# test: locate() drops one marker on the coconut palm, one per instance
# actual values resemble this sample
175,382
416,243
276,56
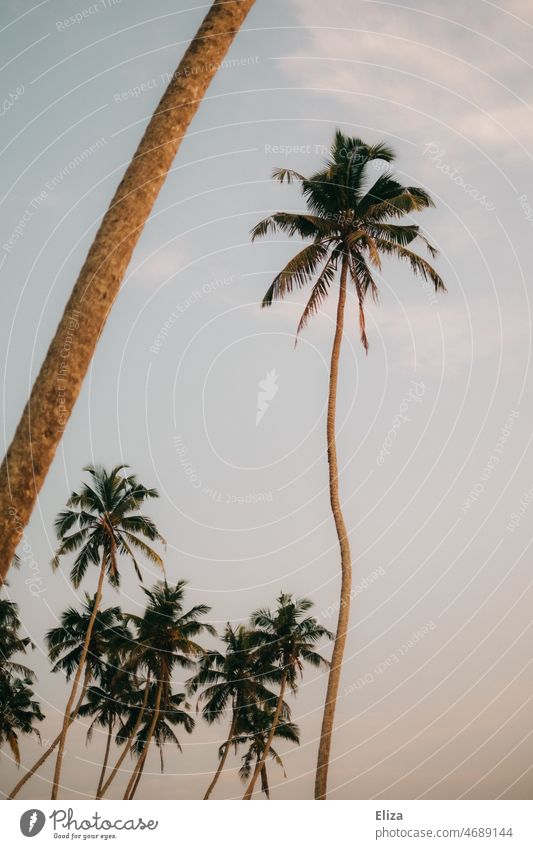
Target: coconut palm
101,522
106,705
11,643
288,638
165,638
234,681
253,730
18,708
18,712
54,393
66,644
172,712
137,700
351,224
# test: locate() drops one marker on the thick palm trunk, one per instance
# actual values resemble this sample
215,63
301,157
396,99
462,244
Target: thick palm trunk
129,743
106,758
346,562
38,763
222,760
142,758
66,720
268,744
61,376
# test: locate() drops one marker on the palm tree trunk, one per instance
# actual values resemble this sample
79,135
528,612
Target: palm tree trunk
66,721
59,382
139,776
222,760
128,744
264,781
346,561
106,758
266,750
38,763
142,758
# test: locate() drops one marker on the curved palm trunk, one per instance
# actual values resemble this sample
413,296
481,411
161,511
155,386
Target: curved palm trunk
140,762
66,720
106,758
139,776
38,763
128,744
275,720
344,545
61,376
222,760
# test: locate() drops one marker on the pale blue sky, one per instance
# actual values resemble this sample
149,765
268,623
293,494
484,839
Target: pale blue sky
448,85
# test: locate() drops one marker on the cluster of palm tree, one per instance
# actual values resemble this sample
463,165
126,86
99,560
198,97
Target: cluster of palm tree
121,665
351,223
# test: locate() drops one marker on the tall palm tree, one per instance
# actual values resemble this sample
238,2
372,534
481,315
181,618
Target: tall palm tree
102,522
66,645
233,680
172,712
165,638
55,390
253,730
18,712
351,224
288,638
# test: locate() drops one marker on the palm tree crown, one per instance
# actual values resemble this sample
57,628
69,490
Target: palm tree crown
106,516
351,217
288,637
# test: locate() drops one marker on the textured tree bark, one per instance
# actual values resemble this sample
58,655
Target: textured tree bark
129,742
38,763
60,379
268,744
106,758
222,760
142,758
346,561
81,664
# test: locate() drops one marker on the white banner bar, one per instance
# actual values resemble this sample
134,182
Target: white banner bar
195,824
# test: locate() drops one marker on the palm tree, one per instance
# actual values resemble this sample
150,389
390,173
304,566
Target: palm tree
350,222
101,522
253,729
165,638
171,713
137,704
288,638
11,643
55,390
107,703
66,645
233,679
18,708
18,712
